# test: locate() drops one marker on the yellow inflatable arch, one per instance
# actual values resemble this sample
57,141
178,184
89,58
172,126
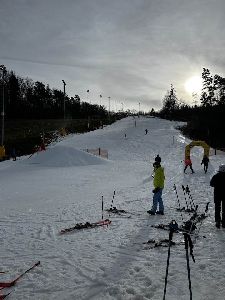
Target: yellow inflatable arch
197,143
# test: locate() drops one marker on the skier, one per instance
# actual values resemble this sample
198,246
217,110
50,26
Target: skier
13,153
187,163
158,159
42,147
205,162
146,131
158,183
217,182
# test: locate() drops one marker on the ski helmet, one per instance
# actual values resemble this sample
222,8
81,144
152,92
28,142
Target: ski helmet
222,168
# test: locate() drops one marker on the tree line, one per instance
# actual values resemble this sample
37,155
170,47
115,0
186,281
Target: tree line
204,121
28,99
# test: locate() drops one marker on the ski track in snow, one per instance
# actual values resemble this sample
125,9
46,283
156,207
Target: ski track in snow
63,186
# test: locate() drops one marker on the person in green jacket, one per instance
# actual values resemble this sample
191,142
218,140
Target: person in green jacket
158,183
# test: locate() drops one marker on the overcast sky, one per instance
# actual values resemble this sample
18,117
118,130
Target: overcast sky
129,50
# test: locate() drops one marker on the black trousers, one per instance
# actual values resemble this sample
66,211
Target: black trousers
218,217
205,168
190,168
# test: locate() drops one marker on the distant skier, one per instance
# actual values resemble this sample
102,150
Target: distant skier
42,147
217,182
158,159
146,131
158,183
205,162
187,163
13,153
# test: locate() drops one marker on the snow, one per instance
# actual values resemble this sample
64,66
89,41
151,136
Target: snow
64,185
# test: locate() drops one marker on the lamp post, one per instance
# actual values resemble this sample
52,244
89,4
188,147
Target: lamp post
88,96
64,94
109,104
3,70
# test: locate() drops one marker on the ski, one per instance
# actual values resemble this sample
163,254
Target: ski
119,212
86,225
13,282
114,210
4,296
160,243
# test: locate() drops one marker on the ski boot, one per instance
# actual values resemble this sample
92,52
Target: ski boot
151,212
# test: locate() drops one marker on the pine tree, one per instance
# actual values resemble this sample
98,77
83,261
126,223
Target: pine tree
170,103
208,92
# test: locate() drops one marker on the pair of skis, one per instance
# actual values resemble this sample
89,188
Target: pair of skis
9,284
86,225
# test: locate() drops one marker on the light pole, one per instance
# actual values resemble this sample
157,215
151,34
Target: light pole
88,96
109,104
3,69
64,94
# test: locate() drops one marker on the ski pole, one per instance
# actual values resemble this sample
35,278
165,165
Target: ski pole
190,196
186,241
168,259
186,194
187,209
112,204
4,296
180,209
102,207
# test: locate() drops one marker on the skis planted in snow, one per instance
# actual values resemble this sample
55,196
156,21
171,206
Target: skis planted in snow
86,225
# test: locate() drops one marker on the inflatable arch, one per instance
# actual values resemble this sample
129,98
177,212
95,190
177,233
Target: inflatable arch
197,143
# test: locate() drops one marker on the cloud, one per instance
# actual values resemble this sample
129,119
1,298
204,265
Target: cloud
128,49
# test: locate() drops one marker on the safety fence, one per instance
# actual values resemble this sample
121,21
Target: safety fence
98,152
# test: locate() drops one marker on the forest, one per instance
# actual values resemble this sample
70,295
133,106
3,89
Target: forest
33,112
204,121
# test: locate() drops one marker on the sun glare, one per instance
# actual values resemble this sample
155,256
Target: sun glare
193,85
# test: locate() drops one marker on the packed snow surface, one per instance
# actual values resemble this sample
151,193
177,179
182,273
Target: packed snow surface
64,185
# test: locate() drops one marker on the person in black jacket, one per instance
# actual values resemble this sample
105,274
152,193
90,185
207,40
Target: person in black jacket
217,182
205,162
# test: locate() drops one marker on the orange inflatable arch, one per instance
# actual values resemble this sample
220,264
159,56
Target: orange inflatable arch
197,143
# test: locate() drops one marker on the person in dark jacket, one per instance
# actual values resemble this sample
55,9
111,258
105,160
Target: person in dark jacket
217,182
205,162
13,154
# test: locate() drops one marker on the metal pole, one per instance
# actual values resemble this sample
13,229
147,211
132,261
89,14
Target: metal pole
109,104
64,93
3,69
3,113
